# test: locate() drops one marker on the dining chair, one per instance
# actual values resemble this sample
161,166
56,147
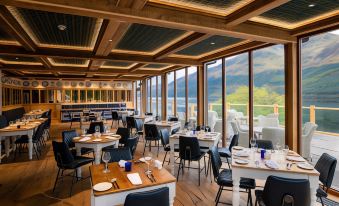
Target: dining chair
66,161
224,179
164,135
306,139
151,135
189,150
139,126
117,154
148,113
155,197
67,137
93,125
124,134
74,117
3,121
274,134
284,191
265,144
326,167
132,144
116,118
130,122
173,119
227,152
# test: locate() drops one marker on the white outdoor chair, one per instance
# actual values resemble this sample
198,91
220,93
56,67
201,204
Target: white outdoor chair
212,119
274,134
273,115
306,138
218,126
243,135
268,121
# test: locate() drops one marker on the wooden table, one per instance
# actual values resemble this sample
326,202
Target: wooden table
145,118
117,196
95,145
35,113
170,126
12,132
262,172
203,142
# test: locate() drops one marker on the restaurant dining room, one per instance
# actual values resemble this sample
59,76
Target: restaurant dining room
169,102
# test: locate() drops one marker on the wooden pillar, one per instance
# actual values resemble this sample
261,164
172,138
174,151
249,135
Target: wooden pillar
250,99
156,95
164,96
200,95
186,95
0,94
224,111
143,96
291,95
175,95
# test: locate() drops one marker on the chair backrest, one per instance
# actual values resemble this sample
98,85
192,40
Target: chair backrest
274,134
67,137
234,127
115,115
148,113
203,127
40,131
189,148
93,125
139,124
124,133
155,197
215,161
308,132
117,154
164,134
264,144
62,154
268,121
151,132
173,119
278,189
130,122
3,121
212,118
309,129
132,144
234,141
326,167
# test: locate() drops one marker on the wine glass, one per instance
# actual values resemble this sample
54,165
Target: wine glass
148,160
84,131
278,146
286,150
253,142
106,156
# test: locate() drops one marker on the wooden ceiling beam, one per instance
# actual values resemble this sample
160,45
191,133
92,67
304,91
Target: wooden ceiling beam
12,26
163,17
47,64
317,26
75,77
255,8
79,54
172,68
188,41
233,50
136,67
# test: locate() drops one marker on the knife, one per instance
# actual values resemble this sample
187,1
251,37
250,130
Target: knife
153,177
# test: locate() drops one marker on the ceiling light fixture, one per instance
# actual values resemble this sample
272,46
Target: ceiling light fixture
16,58
62,27
311,5
110,40
212,43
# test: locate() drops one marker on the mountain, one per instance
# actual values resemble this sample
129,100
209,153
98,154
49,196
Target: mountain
320,62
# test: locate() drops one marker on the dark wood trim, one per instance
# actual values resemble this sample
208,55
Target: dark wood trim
224,111
175,93
250,96
156,95
186,94
200,95
164,95
299,96
136,67
324,25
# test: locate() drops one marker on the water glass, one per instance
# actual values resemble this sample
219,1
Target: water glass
148,159
286,150
106,156
253,142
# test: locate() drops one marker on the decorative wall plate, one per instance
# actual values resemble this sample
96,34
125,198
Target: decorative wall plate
81,84
88,84
35,83
45,84
4,80
73,84
52,84
25,83
59,84
66,84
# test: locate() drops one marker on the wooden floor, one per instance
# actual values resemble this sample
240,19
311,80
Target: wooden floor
24,182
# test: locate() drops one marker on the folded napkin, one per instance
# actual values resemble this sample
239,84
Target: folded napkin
158,164
84,139
271,164
122,163
134,178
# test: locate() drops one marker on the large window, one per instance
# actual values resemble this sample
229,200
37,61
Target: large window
181,94
159,111
154,95
148,96
320,102
214,95
170,94
192,79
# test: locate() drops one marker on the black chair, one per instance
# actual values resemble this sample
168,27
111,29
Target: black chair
164,135
117,154
3,121
48,123
132,144
264,144
189,149
66,161
157,197
116,118
67,137
284,192
151,134
203,127
124,133
326,167
227,152
130,122
148,113
74,117
173,119
139,127
224,178
93,125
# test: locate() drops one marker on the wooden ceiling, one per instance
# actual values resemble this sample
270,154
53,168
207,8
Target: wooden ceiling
134,39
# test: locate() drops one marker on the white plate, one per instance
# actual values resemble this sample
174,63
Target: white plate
238,148
241,161
142,159
241,154
102,186
295,158
305,166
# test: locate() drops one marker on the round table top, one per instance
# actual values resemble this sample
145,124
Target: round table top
91,139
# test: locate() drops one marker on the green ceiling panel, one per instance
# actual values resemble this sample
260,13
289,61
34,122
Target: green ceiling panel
5,36
212,3
70,61
300,10
79,29
145,38
208,45
18,59
117,64
155,66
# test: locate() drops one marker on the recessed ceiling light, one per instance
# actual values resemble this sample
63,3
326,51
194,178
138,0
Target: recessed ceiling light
212,43
62,27
110,40
311,5
16,58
